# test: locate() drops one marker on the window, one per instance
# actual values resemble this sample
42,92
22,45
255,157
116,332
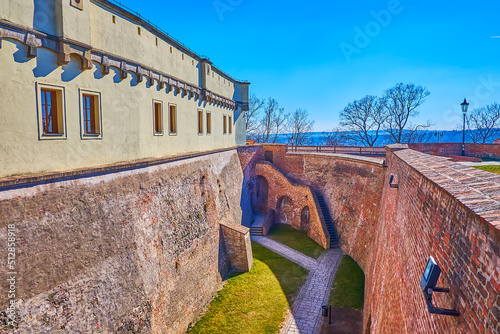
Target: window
200,122
209,122
224,125
170,49
90,114
157,41
230,125
114,19
157,118
139,30
173,119
50,117
51,113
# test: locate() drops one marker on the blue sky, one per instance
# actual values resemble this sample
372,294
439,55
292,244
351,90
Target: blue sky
320,55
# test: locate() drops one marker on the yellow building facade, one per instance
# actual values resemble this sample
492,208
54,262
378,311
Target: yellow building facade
88,83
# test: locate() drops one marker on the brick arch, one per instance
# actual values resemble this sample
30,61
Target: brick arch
284,211
260,195
305,218
300,195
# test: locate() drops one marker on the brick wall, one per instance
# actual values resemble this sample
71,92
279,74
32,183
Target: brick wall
440,209
449,149
132,251
301,197
352,188
448,211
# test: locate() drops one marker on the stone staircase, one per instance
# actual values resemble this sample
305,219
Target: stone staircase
257,227
334,241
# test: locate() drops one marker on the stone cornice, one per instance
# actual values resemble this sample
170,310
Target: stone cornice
66,47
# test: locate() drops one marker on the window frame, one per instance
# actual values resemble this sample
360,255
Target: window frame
162,128
200,122
208,125
170,132
61,112
224,124
230,124
98,113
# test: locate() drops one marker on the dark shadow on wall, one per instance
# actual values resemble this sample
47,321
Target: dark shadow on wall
98,71
71,70
45,16
46,63
20,54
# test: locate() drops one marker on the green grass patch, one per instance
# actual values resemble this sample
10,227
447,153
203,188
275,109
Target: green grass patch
295,239
490,168
257,301
348,290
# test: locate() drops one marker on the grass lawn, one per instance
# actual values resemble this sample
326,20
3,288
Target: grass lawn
490,168
348,285
257,301
295,239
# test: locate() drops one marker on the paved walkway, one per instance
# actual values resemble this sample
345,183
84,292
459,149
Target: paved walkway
288,253
306,309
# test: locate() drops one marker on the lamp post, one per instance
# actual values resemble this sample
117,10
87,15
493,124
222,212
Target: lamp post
465,106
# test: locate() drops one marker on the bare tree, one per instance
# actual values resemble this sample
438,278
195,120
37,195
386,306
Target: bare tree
364,119
482,123
252,115
402,102
299,127
272,122
334,137
418,133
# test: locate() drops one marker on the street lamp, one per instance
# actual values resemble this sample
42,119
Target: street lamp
465,106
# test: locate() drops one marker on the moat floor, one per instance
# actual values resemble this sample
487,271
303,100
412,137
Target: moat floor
344,321
306,309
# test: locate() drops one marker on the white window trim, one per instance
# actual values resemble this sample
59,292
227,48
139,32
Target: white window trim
202,132
161,118
90,136
50,136
176,120
206,125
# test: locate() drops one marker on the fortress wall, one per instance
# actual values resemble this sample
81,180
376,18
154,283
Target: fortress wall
352,188
471,150
136,250
448,211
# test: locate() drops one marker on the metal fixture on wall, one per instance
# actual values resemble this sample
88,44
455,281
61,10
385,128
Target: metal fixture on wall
393,185
428,284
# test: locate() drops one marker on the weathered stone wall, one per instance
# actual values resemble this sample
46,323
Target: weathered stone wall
448,211
136,251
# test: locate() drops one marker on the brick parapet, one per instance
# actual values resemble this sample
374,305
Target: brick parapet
440,209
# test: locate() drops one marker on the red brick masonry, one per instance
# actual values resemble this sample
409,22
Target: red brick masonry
441,209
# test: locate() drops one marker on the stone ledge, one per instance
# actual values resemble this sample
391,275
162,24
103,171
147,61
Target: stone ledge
21,181
476,189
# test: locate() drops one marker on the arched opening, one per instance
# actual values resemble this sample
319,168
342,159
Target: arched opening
305,218
284,210
260,195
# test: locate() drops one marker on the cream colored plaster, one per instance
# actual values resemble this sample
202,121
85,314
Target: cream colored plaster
19,12
127,119
121,38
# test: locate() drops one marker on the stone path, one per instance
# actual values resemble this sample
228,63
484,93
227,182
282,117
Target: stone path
288,253
306,309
